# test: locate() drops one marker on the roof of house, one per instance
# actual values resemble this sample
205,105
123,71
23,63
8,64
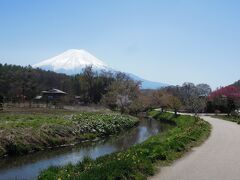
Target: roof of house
54,91
38,97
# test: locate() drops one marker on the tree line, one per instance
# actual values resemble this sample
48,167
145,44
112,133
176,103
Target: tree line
115,90
19,83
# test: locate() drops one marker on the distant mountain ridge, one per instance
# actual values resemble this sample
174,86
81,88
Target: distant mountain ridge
146,84
73,61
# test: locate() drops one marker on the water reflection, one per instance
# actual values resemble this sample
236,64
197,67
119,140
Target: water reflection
29,166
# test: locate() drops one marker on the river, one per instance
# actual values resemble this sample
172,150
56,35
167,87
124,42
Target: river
29,166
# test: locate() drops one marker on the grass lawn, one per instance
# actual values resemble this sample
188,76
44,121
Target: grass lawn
26,132
139,161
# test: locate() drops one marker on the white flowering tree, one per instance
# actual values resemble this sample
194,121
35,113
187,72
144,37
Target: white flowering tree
122,93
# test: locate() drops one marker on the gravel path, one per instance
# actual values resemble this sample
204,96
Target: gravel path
218,158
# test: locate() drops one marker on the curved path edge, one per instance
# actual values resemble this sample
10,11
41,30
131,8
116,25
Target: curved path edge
218,158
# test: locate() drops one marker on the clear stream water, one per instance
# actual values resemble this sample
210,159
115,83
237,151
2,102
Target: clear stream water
29,166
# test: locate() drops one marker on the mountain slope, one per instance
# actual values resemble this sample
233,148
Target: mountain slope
71,62
146,84
74,61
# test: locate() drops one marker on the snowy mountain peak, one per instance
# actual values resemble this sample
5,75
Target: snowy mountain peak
71,62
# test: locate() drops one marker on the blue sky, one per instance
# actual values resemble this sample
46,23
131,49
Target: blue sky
171,41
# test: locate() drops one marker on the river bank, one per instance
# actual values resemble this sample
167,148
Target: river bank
30,165
25,133
138,162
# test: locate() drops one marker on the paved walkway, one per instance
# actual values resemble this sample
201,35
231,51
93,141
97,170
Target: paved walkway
216,159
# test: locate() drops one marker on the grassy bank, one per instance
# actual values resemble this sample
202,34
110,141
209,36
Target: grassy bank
139,161
228,118
24,133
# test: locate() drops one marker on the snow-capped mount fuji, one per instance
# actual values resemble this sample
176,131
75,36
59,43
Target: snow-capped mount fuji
73,61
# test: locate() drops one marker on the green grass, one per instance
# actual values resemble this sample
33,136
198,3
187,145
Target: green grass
139,161
228,118
23,133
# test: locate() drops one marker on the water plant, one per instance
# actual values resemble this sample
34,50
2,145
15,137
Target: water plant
23,133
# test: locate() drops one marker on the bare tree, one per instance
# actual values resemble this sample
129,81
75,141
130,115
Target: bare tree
160,99
197,103
175,104
203,89
198,98
87,84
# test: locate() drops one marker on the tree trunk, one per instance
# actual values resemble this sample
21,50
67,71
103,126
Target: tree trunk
175,112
